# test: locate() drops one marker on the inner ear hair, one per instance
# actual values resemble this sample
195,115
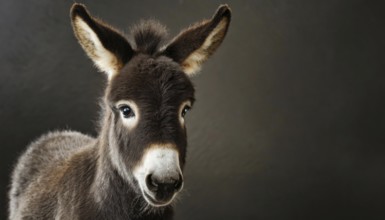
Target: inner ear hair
107,48
194,45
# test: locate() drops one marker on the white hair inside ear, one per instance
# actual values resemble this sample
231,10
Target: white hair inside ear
104,60
193,63
195,44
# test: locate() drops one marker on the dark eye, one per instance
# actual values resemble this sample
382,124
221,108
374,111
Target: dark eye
126,111
185,110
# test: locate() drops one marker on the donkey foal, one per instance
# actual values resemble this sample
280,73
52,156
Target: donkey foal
133,169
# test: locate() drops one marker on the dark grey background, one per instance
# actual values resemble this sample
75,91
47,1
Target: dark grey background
290,117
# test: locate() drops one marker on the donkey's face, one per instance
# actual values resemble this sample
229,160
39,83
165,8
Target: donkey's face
148,94
149,99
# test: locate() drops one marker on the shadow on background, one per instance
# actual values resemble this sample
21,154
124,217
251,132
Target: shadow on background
289,122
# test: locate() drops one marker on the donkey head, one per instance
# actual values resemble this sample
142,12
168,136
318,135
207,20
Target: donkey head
148,95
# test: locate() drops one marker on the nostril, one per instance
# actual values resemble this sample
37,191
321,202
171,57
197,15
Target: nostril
152,183
178,183
165,185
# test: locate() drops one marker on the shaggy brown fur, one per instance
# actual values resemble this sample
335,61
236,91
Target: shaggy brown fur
69,175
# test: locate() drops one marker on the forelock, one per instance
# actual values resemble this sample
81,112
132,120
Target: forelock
148,36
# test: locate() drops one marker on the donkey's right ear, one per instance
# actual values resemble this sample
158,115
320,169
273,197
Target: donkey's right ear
107,48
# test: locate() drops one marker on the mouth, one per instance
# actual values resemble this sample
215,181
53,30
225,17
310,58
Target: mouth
155,202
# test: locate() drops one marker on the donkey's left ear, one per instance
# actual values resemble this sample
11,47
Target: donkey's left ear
106,47
197,43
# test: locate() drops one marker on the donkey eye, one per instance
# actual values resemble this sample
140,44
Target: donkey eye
185,110
126,111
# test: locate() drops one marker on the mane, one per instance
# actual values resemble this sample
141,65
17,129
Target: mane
148,36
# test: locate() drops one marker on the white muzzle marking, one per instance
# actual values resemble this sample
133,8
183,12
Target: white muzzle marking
162,161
